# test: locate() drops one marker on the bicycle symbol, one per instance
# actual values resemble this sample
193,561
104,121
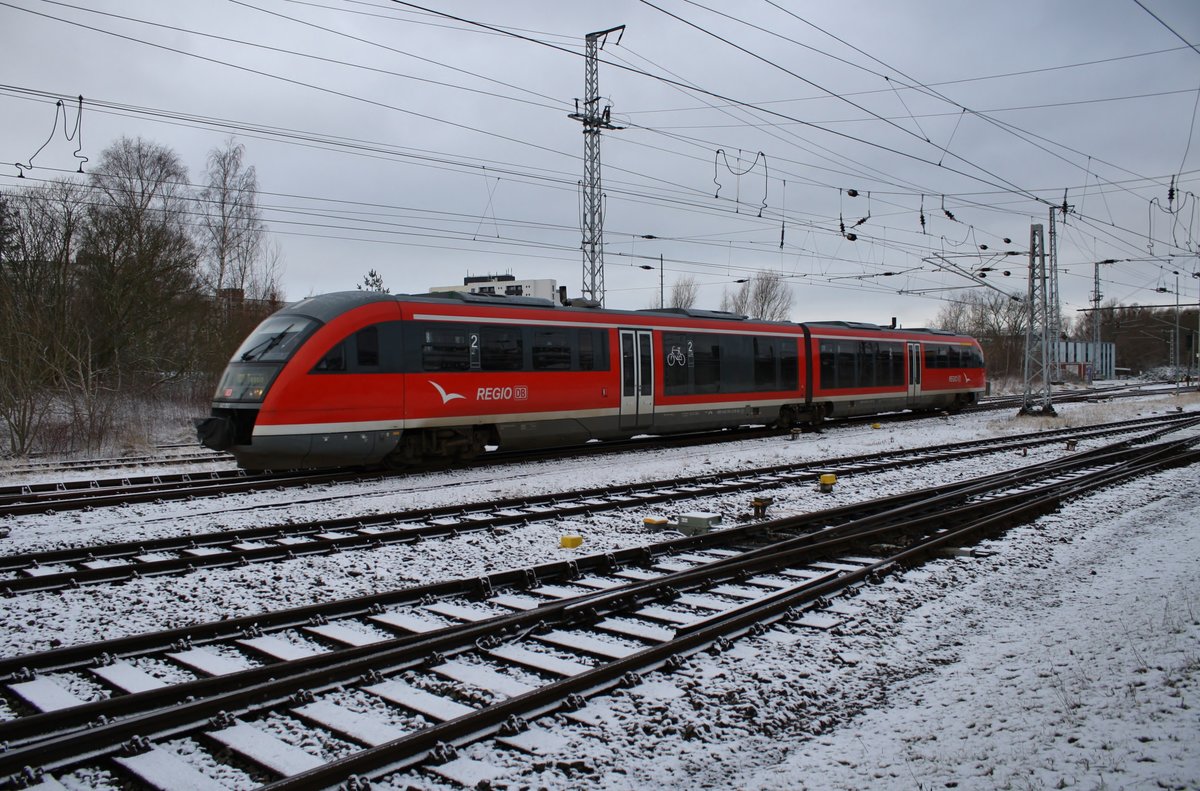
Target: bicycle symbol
675,357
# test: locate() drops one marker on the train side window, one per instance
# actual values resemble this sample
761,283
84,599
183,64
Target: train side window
334,359
829,364
628,370
765,374
593,350
678,362
646,363
445,349
366,342
391,346
889,366
707,372
789,365
551,350
937,355
586,344
501,349
868,375
847,359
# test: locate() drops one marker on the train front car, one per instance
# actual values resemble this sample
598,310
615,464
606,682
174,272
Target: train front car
277,405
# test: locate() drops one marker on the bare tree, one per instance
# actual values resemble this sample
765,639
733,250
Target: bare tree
8,229
997,320
139,290
268,274
765,295
684,292
241,267
40,228
231,227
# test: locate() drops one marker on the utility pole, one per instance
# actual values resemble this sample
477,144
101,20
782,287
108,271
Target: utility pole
662,302
593,119
1096,295
1175,350
1037,331
1196,338
1055,328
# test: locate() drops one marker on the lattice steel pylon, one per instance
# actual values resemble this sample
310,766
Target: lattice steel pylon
593,119
1055,323
1038,399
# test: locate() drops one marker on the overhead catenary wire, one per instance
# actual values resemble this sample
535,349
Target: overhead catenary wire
774,213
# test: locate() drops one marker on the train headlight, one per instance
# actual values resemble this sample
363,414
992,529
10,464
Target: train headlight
256,393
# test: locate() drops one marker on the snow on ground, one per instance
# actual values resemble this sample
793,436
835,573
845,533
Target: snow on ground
1070,658
1082,671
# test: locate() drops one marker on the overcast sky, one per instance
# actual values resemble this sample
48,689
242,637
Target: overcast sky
428,148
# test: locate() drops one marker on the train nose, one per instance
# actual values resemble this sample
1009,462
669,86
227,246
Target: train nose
214,432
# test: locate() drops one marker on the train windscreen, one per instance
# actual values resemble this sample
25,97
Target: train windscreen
274,340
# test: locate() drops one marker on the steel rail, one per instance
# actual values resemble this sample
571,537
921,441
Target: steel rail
322,536
400,653
417,747
200,634
73,495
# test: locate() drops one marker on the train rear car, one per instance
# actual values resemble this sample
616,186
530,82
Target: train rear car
863,369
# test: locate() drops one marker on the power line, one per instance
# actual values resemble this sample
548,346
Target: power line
292,81
1000,182
1168,27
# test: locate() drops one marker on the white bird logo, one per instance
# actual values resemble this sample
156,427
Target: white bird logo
446,397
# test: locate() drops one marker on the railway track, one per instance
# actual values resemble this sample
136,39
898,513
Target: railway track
1111,392
50,497
54,496
116,562
351,691
157,459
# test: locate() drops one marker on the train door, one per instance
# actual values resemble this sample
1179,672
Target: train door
637,379
914,373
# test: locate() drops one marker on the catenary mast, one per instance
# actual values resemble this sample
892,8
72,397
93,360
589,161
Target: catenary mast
593,119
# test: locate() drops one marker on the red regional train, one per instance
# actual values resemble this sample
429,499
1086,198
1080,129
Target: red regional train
366,378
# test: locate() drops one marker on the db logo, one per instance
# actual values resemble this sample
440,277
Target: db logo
514,393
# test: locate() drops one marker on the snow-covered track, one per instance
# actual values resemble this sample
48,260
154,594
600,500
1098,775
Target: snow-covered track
53,496
446,664
110,563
